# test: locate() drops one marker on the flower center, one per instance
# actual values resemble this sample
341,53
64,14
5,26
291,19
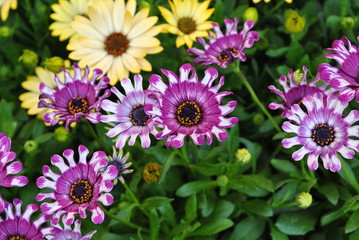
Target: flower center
116,44
77,105
323,134
81,191
17,237
225,54
189,113
138,116
186,25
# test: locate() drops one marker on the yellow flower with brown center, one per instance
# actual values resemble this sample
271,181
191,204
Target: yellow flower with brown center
115,39
5,6
187,19
152,172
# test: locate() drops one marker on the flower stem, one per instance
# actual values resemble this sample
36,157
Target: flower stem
95,136
133,196
256,99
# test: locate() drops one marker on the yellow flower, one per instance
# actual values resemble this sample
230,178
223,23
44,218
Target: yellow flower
267,1
152,172
188,20
64,13
115,38
5,6
294,23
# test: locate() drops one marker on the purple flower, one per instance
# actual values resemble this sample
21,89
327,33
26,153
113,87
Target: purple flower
129,118
322,131
17,225
295,91
120,162
188,107
79,187
8,166
75,98
66,232
225,48
346,77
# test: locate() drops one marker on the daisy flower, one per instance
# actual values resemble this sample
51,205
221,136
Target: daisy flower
76,97
129,118
17,225
5,6
187,19
66,232
78,188
295,89
188,107
8,166
119,161
225,48
115,38
344,78
322,131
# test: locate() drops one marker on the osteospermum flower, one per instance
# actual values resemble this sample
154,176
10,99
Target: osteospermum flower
79,187
77,97
129,118
66,232
17,225
295,89
322,130
115,38
344,78
64,13
187,19
119,161
225,48
188,107
5,6
8,166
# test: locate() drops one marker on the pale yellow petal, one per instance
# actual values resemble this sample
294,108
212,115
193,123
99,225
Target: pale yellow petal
188,41
131,6
131,63
127,23
144,64
86,29
168,16
141,15
137,52
180,41
118,15
97,20
141,27
144,42
204,16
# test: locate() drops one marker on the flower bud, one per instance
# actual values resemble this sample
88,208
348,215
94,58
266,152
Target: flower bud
54,64
250,13
258,119
347,22
222,180
30,146
29,58
294,23
304,199
145,4
243,155
152,172
5,32
61,134
298,75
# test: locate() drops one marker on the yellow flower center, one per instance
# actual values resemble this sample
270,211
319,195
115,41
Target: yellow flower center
116,44
152,172
224,55
17,237
323,134
81,191
77,105
189,113
138,116
186,25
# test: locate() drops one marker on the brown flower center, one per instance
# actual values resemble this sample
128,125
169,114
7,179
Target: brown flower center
77,105
186,25
81,191
116,44
189,113
323,134
17,237
138,116
225,55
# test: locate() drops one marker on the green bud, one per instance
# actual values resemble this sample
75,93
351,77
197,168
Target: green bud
258,119
29,58
294,23
250,13
61,134
5,32
54,64
243,155
347,22
222,180
304,199
30,146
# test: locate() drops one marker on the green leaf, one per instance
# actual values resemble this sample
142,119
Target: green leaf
44,138
112,236
296,223
223,209
344,5
331,192
155,202
212,227
276,234
277,52
166,166
249,228
154,225
208,169
252,185
350,203
285,193
352,223
213,153
296,51
191,208
329,217
259,207
283,165
190,188
7,124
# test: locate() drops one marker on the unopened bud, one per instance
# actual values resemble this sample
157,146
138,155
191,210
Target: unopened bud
222,180
61,134
294,23
29,58
347,22
152,172
250,13
298,75
5,31
243,155
304,199
30,146
54,64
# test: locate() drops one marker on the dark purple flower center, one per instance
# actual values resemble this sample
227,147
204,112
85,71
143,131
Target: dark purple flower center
186,25
17,237
77,105
138,116
323,134
189,113
81,191
116,44
226,55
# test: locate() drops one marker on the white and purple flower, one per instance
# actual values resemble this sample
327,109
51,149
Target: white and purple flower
346,77
188,107
129,118
223,49
8,166
322,131
120,161
66,232
79,187
77,97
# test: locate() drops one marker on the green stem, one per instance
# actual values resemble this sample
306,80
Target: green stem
133,196
256,99
95,136
132,225
279,4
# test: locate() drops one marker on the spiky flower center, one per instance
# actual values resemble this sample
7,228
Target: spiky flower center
186,25
152,172
77,105
225,55
81,191
116,44
138,116
189,113
17,237
323,134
